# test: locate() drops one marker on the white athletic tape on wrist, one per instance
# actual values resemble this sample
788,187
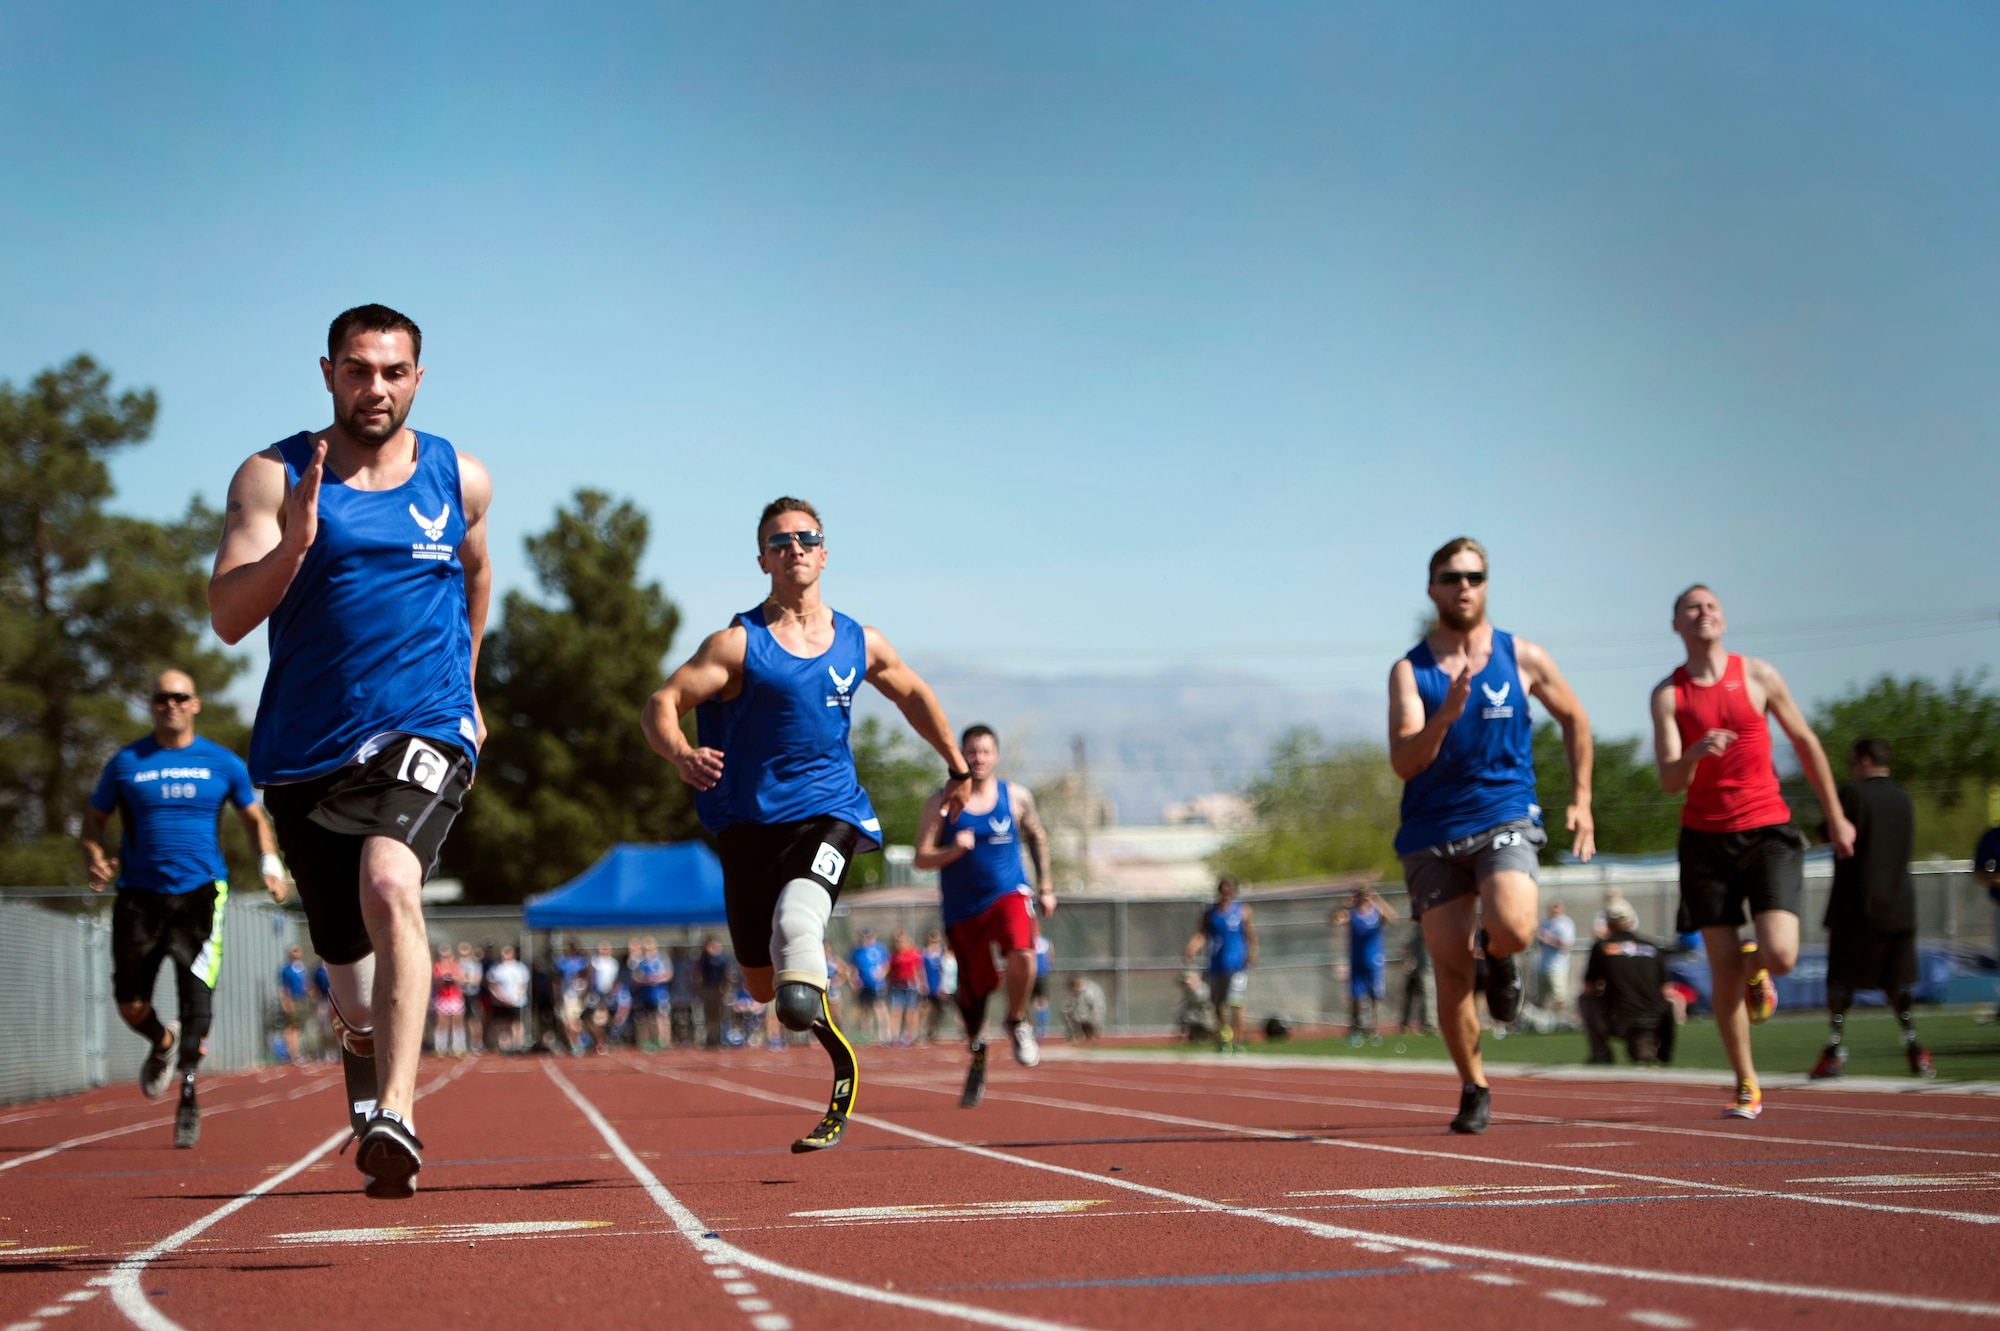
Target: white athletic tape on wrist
271,867
798,931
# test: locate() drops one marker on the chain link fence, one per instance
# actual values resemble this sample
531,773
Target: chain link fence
59,1029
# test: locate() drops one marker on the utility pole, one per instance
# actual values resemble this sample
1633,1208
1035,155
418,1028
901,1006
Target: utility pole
1080,761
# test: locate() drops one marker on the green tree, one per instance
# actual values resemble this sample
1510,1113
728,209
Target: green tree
1321,808
565,772
1632,814
92,604
1945,746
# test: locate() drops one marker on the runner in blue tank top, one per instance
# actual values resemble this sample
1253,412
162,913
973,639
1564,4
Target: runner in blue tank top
772,696
1366,917
364,547
1471,826
1228,933
983,883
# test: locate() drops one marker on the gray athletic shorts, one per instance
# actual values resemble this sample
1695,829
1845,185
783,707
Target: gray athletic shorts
1440,873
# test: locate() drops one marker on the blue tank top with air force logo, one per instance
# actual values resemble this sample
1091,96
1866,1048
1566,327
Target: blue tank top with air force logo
1484,773
784,736
991,869
371,638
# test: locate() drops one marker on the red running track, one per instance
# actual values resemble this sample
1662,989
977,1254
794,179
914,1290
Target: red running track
1125,1191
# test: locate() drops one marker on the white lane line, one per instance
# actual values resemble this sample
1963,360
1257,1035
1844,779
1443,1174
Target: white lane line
1360,1237
948,1211
718,1252
1519,1083
1547,1120
1575,1298
1487,1277
109,1133
126,1290
1666,1321
1273,1134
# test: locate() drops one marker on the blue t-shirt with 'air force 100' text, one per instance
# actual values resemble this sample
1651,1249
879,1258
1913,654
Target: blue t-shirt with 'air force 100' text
168,801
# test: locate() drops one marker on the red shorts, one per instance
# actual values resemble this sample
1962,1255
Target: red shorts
1006,922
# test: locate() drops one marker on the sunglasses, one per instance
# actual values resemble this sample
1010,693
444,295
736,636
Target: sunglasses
780,540
166,699
1451,577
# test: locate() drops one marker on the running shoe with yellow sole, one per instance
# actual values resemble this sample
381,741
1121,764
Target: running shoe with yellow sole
1760,997
1749,1101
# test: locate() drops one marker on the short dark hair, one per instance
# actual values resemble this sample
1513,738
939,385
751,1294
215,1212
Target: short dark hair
1688,591
974,732
787,504
372,319
1873,751
1457,545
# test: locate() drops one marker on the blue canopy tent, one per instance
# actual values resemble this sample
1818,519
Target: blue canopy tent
633,886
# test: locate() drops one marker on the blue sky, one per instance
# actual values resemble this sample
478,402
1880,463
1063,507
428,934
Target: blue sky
1107,338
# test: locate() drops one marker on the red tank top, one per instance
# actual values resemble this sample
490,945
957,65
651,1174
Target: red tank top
1739,789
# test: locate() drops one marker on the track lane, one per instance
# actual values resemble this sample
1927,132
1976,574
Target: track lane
1708,1247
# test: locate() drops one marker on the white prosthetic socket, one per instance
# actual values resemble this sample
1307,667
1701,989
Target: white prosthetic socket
352,991
798,951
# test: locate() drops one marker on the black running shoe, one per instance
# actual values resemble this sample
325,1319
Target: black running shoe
389,1156
846,1079
157,1073
1503,985
359,1071
187,1116
1474,1108
975,1079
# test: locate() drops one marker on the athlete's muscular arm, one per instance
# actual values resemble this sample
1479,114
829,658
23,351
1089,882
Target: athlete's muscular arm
1675,767
99,868
1546,684
258,827
1778,698
919,706
1029,820
931,853
265,535
715,670
1249,938
475,490
1413,741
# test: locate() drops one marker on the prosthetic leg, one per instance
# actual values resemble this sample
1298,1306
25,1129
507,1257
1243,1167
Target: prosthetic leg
798,950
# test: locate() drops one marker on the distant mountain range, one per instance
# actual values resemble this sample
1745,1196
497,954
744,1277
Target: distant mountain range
1151,740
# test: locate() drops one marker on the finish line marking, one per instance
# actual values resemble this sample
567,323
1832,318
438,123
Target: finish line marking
947,1211
438,1233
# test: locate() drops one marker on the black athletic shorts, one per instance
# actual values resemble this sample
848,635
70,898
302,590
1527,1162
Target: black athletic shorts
1865,959
410,790
1723,872
149,927
758,859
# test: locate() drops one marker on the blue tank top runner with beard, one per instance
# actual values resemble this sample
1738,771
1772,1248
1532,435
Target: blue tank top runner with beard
371,638
784,736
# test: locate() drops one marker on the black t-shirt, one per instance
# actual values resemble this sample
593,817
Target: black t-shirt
1633,975
714,970
1872,888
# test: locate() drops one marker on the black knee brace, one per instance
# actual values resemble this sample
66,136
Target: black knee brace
197,1014
799,1005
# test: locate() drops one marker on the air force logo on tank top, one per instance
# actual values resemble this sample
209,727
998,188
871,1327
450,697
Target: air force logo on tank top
842,695
433,529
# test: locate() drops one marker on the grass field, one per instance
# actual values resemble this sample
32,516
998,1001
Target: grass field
1962,1048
